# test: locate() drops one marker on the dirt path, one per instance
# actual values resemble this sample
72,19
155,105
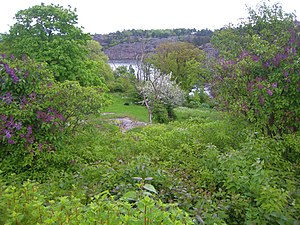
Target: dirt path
126,123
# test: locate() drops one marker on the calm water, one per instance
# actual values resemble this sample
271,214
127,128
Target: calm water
137,68
116,63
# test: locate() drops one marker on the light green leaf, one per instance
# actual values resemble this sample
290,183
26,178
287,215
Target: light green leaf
150,188
130,195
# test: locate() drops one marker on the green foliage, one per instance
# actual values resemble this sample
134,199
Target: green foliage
207,167
38,114
99,67
75,102
259,74
210,164
48,34
160,113
22,83
184,113
124,81
269,24
29,205
219,172
183,60
199,98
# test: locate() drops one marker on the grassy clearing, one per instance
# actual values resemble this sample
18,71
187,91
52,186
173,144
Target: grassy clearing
184,113
123,106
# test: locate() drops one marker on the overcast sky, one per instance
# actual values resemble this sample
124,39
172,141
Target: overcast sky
104,16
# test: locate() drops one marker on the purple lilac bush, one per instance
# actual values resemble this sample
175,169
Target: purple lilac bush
25,123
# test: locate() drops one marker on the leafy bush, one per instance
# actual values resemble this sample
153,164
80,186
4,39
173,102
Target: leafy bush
29,205
76,102
124,81
160,113
258,73
37,114
198,98
21,110
219,168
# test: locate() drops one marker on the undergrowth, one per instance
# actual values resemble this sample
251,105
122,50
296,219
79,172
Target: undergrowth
214,168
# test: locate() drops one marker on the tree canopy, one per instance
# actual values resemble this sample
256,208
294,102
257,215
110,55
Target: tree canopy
183,60
49,33
265,30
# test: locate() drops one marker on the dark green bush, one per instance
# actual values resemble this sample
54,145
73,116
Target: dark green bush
160,113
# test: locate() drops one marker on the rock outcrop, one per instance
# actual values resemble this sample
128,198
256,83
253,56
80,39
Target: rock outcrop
132,45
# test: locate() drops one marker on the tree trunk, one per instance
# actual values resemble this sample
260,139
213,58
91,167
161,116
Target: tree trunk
149,109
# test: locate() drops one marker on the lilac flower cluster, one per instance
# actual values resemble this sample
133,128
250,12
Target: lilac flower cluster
244,54
24,101
28,136
51,115
261,100
278,58
226,63
266,64
12,73
261,84
264,82
8,128
7,98
255,58
12,131
17,131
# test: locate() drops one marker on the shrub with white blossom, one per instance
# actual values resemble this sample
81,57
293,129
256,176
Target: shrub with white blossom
161,90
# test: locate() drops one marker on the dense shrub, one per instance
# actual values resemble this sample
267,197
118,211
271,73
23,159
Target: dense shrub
29,205
220,168
37,114
160,113
258,71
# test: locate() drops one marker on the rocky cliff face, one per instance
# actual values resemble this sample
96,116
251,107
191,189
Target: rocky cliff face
134,50
122,46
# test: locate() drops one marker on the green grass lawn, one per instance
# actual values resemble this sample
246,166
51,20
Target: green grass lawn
123,106
119,108
184,113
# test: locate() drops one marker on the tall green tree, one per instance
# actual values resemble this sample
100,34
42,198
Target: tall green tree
183,60
49,33
96,65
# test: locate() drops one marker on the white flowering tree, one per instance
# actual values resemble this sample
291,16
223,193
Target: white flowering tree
160,89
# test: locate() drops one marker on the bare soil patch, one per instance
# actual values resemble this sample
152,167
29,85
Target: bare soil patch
126,123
